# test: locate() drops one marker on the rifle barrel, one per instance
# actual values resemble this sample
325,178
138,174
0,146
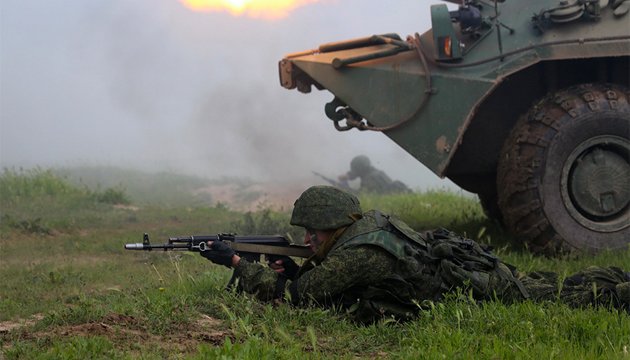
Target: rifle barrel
141,246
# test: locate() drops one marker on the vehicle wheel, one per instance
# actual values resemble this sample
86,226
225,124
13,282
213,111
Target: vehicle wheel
563,178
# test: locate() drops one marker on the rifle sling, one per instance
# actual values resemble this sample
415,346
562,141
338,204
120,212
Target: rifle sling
291,250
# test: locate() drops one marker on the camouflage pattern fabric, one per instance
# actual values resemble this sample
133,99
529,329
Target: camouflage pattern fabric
339,272
325,207
594,286
376,269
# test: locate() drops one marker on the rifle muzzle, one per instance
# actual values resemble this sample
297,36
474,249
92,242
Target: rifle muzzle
136,246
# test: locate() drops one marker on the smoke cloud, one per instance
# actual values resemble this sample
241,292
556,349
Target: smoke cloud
155,86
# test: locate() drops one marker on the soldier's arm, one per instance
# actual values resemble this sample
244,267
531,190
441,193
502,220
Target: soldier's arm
338,272
341,270
255,278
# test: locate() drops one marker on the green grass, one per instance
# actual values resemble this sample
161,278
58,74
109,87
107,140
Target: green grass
435,209
165,189
80,295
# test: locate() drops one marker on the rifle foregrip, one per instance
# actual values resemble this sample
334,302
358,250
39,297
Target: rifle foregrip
136,246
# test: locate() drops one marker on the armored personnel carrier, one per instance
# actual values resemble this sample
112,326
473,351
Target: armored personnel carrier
523,102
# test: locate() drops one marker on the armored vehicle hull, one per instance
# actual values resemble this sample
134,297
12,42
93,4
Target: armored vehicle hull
525,103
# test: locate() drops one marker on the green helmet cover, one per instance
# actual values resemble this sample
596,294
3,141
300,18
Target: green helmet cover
324,208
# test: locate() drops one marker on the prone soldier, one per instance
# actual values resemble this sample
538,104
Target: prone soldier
372,179
374,266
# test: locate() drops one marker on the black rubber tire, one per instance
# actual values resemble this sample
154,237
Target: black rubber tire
538,161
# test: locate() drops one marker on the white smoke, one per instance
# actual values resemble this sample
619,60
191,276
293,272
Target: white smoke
155,86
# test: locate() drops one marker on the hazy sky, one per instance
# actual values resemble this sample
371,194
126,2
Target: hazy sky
154,85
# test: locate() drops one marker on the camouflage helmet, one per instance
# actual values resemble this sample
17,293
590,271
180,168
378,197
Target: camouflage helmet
324,207
360,165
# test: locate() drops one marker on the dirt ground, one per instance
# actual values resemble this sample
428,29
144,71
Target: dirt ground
7,326
276,196
126,331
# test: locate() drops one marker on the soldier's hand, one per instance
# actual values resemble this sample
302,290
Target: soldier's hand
219,253
283,265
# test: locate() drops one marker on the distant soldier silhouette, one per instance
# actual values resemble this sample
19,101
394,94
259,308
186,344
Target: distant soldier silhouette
373,180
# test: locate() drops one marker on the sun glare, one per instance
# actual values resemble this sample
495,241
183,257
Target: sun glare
267,9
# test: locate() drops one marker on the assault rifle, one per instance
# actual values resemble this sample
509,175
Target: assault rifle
340,184
248,247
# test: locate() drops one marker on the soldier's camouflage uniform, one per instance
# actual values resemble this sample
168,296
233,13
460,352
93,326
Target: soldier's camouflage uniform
378,266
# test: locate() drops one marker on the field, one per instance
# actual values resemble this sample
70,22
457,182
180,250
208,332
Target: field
68,289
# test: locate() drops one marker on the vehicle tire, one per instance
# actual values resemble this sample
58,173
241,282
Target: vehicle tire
563,178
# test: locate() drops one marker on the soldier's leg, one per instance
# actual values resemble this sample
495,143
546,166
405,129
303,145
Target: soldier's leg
541,285
597,286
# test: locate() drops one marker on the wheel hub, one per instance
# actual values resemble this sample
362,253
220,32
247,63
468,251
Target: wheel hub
596,183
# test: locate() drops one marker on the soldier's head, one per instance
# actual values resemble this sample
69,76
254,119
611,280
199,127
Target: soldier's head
325,208
359,166
321,210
